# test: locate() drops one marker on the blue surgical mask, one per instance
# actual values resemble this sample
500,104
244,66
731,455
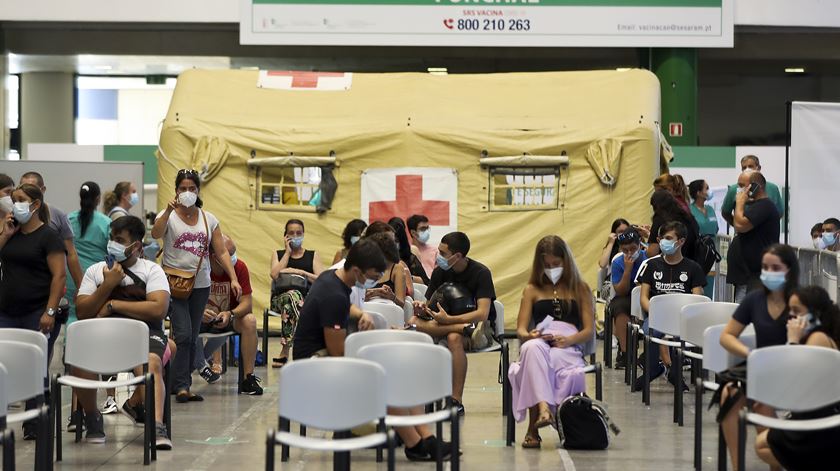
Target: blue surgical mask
354,239
134,199
669,247
829,238
773,280
368,284
296,242
423,236
233,259
117,250
442,262
22,212
635,255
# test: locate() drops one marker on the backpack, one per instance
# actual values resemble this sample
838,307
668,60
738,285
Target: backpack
705,253
583,424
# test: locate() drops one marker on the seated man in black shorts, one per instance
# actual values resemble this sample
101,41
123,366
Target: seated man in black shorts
133,288
468,331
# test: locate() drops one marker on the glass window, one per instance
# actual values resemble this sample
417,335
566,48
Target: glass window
288,188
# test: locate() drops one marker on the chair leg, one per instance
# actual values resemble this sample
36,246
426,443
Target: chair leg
265,339
608,336
302,430
742,439
392,459
698,426
269,451
77,418
9,450
284,449
721,450
380,428
225,356
167,400
239,367
510,427
147,453
634,359
599,382
678,389
506,397
630,346
646,376
455,430
150,416
56,400
438,456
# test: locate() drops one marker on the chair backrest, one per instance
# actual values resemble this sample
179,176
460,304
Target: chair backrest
797,378
696,318
715,357
420,292
353,343
29,336
107,345
636,302
332,393
499,326
379,321
408,309
392,313
415,373
666,310
4,379
26,366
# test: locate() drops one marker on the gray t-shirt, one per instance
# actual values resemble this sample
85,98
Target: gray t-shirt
59,223
184,245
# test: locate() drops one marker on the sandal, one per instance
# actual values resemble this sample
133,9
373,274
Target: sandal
216,369
544,421
278,362
186,396
532,442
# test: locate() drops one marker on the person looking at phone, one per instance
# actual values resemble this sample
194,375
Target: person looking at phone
756,222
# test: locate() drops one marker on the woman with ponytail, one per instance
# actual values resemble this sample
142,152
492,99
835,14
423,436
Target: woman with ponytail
91,230
119,201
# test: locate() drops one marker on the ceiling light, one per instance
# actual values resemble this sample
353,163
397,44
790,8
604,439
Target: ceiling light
103,67
437,70
795,70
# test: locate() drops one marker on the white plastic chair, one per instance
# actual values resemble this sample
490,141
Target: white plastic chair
7,437
795,378
379,321
664,316
392,313
408,309
103,346
354,343
418,374
333,394
420,292
26,365
716,359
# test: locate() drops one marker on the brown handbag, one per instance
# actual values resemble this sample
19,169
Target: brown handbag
181,282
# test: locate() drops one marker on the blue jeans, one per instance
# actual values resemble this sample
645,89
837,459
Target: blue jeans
185,316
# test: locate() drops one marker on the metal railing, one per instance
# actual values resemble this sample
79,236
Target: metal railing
816,267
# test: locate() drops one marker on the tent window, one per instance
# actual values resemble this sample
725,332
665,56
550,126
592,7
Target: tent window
524,188
288,188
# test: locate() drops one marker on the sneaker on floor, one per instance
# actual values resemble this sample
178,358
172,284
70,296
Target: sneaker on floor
640,381
136,414
673,375
30,430
95,428
209,375
432,444
110,406
251,386
162,441
460,406
620,361
71,424
418,452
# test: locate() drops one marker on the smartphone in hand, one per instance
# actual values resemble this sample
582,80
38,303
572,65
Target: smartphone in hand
110,260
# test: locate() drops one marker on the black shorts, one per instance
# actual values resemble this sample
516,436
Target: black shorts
620,305
157,343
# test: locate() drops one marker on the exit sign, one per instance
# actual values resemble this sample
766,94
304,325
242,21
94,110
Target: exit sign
675,129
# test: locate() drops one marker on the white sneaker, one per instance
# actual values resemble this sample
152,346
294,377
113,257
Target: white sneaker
110,406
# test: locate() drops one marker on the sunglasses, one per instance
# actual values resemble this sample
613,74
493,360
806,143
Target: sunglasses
187,171
628,236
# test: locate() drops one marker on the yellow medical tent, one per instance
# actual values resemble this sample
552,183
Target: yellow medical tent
596,132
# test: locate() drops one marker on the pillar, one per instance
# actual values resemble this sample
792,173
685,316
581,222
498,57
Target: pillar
46,108
676,69
4,69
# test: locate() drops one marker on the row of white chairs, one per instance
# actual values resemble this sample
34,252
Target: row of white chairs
381,369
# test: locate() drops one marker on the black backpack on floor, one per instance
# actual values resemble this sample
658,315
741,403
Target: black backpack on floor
583,424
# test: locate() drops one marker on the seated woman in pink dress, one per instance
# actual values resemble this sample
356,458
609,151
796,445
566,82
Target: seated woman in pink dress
556,318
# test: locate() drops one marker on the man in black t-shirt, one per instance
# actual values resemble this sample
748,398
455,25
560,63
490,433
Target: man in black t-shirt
668,273
471,329
322,326
756,221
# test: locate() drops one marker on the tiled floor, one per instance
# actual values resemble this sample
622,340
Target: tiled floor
227,431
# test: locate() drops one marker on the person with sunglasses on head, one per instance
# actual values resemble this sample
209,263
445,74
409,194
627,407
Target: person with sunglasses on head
189,234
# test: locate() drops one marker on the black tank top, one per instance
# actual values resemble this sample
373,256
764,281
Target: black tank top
389,283
303,263
565,310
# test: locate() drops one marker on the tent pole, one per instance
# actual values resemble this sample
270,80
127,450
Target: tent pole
786,218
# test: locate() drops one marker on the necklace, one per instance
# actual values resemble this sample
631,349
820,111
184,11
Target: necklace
558,305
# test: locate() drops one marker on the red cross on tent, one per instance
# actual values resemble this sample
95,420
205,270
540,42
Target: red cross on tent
304,80
409,200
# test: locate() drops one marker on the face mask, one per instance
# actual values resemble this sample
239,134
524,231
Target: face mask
296,242
818,243
710,197
368,284
635,255
354,239
6,204
21,212
233,259
773,280
423,236
669,247
117,250
134,199
829,238
554,274
188,198
442,262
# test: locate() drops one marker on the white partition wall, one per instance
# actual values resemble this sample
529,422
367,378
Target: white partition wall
814,167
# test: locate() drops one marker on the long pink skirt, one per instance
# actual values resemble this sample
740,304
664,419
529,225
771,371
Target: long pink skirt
545,374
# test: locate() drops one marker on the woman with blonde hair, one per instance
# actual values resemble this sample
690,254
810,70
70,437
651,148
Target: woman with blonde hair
119,201
556,318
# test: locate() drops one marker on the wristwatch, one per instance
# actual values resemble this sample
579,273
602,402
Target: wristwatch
51,311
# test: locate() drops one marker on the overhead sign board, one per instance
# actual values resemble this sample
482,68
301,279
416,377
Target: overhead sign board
490,23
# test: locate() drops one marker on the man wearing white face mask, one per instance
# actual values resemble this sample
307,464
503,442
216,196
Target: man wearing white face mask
625,267
830,239
418,227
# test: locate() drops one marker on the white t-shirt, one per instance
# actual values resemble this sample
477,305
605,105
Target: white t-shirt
357,295
149,272
184,245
